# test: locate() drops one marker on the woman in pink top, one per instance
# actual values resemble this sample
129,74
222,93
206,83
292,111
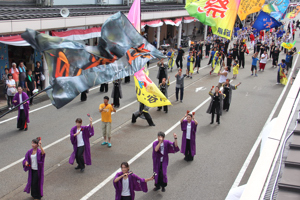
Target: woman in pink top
15,73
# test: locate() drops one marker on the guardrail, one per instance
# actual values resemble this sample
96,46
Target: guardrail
261,174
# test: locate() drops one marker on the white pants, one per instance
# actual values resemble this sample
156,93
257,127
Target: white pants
251,44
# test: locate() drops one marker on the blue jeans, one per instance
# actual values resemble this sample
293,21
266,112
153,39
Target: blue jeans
22,84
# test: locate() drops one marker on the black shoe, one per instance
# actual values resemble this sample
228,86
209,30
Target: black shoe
180,101
77,167
166,111
156,188
218,122
226,110
25,129
158,109
211,122
21,129
152,125
163,189
82,170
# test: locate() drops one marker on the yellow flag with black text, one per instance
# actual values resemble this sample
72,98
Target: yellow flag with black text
248,7
147,92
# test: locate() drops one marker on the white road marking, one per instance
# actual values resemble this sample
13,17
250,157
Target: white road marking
200,89
257,142
65,137
108,179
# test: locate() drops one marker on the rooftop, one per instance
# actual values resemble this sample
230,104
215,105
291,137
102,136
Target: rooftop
31,12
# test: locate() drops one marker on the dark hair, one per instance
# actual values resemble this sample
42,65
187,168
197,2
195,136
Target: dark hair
283,60
106,97
217,87
19,86
6,69
35,141
29,70
9,75
161,134
78,120
125,164
190,115
37,62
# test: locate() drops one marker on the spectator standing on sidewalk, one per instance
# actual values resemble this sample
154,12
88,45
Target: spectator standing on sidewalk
4,79
38,70
106,110
11,90
22,74
15,73
30,85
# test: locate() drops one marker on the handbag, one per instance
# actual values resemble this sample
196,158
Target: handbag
42,77
13,91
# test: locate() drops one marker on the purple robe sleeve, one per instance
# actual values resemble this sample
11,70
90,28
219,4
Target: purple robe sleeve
183,125
118,186
16,97
91,130
27,156
72,137
194,126
172,148
139,183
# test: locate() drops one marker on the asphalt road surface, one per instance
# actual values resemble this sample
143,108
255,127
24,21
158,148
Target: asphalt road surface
221,149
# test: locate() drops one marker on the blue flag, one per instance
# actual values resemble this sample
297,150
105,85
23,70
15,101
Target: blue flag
265,21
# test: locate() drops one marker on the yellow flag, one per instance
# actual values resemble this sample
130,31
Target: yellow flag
147,92
283,78
248,7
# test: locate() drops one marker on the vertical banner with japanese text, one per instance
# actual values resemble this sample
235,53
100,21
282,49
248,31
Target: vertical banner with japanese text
147,92
219,14
248,7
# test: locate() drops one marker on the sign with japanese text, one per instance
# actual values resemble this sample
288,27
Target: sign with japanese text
147,92
248,7
219,14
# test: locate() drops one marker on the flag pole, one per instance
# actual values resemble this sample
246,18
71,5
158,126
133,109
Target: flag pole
26,100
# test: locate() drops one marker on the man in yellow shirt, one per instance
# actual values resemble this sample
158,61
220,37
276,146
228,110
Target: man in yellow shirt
106,110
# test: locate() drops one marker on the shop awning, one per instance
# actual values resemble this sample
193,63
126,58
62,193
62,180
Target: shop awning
154,23
79,34
15,40
176,22
189,19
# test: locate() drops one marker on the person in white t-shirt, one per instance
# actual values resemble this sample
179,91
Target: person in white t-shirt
223,77
263,61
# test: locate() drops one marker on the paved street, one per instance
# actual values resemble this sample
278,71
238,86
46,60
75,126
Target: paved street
221,149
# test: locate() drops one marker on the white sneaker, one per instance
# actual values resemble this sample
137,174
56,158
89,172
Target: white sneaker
9,108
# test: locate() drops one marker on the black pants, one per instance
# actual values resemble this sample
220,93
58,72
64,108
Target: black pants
207,52
79,157
198,63
179,60
215,109
125,197
226,104
30,94
127,79
104,87
116,102
22,120
83,96
160,182
210,60
234,56
242,62
35,188
165,108
9,101
181,93
148,118
278,77
188,152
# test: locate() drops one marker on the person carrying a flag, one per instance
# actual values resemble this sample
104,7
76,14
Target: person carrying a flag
281,77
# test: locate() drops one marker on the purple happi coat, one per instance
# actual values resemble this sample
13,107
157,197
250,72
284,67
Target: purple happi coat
135,184
26,105
169,147
40,161
87,132
193,137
